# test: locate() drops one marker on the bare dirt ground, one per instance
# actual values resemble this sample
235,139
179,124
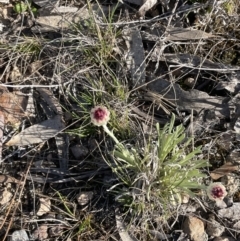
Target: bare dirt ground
170,62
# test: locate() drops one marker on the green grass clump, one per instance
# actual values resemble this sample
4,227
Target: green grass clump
231,6
31,46
157,176
102,84
23,6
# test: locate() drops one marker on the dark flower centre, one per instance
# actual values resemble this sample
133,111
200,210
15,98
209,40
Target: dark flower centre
99,114
217,192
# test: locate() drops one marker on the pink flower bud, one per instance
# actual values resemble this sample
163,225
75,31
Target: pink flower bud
216,191
100,115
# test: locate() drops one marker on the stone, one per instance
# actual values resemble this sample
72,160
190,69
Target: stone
64,9
231,182
194,227
1,27
84,198
185,198
214,229
5,196
42,3
79,151
231,213
19,235
45,206
237,225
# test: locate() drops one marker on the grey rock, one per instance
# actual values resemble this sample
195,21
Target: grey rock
135,56
84,198
231,182
214,229
231,213
237,226
79,151
19,235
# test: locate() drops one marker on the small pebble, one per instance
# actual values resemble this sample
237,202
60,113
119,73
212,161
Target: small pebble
19,235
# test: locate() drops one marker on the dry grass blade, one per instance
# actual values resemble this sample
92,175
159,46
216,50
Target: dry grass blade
165,104
122,230
1,134
175,34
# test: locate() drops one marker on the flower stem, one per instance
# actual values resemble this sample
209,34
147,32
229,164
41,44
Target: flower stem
110,133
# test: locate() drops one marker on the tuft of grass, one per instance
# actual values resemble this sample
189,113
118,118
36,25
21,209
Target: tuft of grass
104,39
102,85
30,46
81,222
120,121
24,6
85,225
230,6
62,199
157,176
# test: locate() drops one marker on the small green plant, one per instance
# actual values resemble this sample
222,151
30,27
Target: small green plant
120,120
160,173
64,204
102,84
230,6
85,224
21,7
30,46
100,51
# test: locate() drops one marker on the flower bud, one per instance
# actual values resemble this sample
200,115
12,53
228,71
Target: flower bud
100,115
216,191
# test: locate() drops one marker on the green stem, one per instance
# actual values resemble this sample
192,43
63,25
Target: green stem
110,133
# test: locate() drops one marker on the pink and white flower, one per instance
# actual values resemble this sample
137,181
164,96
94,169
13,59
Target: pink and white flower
100,115
216,191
